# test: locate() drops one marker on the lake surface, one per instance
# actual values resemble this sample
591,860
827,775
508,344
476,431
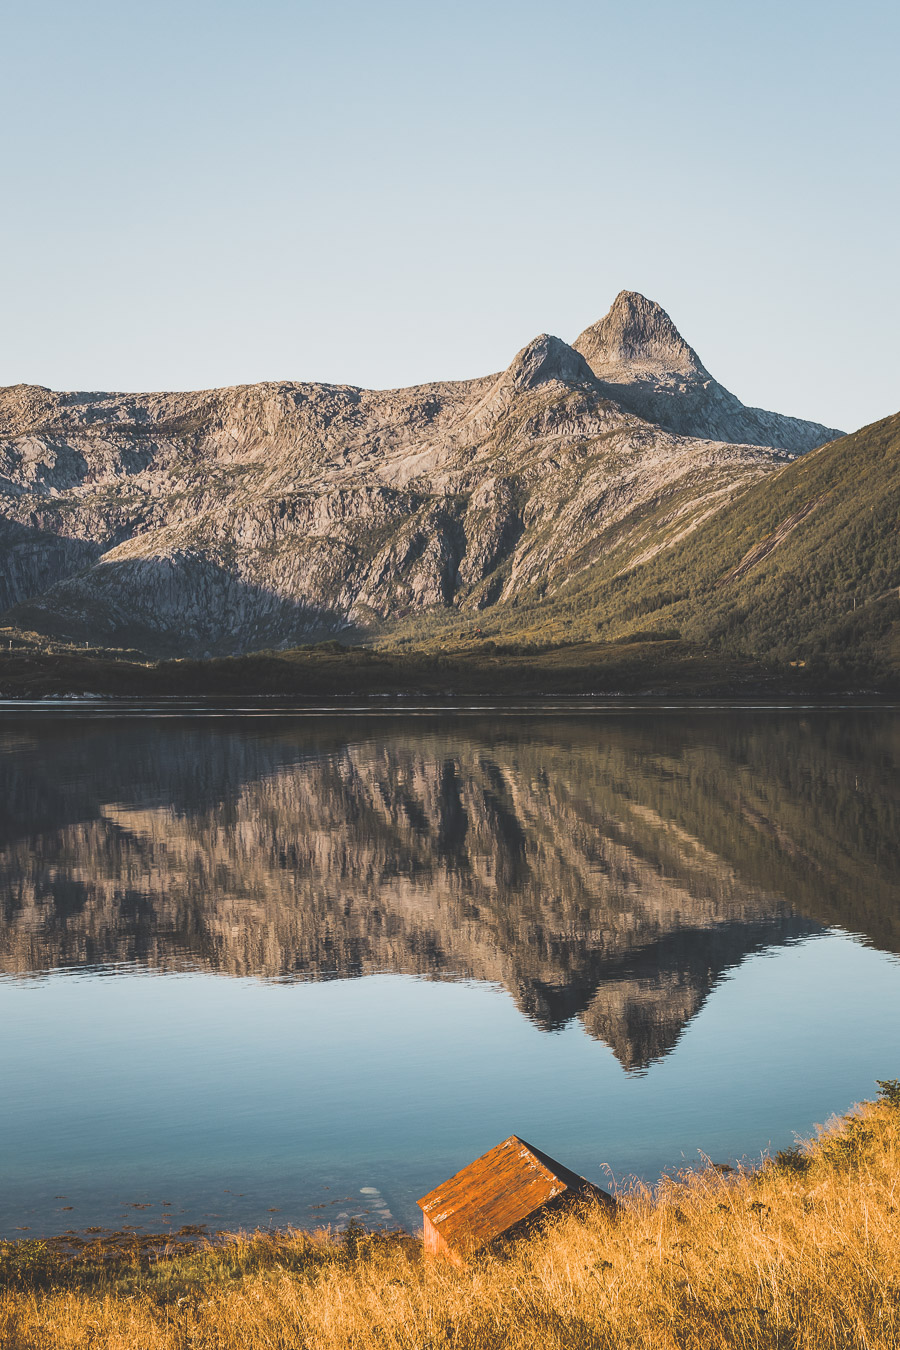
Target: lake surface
262,967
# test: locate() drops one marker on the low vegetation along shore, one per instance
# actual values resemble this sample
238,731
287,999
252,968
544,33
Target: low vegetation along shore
641,667
803,1252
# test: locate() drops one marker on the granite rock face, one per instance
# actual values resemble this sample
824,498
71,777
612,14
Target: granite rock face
277,513
645,365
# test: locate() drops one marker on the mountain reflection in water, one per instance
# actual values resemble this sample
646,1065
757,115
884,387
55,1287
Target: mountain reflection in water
608,869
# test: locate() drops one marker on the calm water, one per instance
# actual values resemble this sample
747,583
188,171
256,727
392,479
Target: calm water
266,968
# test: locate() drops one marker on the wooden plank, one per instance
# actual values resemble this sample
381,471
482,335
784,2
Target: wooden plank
435,1246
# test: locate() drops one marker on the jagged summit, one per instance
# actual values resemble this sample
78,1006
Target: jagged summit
543,360
638,330
548,358
645,365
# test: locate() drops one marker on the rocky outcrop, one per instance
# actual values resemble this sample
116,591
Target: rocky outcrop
271,514
645,365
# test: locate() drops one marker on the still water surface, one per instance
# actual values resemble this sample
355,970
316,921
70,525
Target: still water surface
261,969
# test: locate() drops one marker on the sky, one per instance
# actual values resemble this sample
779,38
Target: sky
214,192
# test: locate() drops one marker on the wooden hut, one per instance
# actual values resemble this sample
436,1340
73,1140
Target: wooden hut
498,1196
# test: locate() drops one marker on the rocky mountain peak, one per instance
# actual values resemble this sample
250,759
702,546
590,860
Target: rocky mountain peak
22,405
642,362
637,330
548,358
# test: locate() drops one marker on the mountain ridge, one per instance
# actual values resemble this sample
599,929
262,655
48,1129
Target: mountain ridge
643,363
222,521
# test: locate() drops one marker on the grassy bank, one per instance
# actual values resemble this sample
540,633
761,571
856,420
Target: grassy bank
802,1253
477,669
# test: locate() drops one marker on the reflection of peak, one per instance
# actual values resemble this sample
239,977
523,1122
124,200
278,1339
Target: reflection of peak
641,1020
610,873
640,1012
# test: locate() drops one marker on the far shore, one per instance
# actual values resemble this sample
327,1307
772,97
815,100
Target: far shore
638,669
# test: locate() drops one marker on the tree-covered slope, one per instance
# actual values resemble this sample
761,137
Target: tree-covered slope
804,565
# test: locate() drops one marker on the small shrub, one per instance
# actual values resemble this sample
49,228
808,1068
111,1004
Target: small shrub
846,1146
889,1091
792,1160
27,1263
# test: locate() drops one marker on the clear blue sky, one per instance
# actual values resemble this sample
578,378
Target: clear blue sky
210,192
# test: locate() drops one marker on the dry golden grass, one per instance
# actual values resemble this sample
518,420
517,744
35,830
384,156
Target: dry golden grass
802,1254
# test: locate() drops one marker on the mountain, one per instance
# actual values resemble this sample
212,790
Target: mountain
645,365
274,514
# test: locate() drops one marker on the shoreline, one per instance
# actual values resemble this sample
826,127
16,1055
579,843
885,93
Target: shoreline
194,1235
600,671
801,1250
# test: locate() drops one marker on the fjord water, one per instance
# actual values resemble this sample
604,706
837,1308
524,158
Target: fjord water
271,967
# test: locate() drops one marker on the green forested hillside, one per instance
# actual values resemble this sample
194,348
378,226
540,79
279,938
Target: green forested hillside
803,566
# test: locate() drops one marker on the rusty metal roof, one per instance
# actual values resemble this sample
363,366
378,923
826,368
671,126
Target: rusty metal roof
497,1191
